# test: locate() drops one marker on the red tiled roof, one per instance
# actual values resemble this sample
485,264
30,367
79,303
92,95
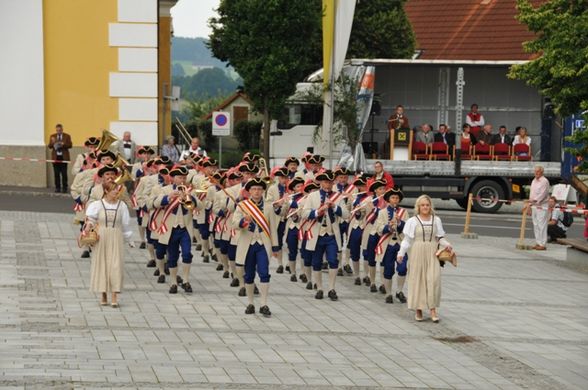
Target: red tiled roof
228,101
468,29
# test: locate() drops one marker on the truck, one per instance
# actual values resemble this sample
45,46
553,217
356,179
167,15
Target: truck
430,93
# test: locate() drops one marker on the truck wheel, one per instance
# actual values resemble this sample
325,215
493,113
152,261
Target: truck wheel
463,203
487,189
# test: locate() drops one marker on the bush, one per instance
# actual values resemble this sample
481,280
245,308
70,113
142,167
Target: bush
230,157
248,133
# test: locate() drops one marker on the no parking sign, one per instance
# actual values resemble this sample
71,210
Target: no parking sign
221,123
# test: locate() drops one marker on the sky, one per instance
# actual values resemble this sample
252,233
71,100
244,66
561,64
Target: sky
190,17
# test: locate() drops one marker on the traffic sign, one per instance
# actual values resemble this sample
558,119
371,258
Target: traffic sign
221,123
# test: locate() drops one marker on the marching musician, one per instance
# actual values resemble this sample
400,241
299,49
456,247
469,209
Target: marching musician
306,254
370,235
277,195
215,195
202,213
292,164
176,202
293,219
138,170
341,186
81,161
252,218
355,229
315,163
322,208
389,225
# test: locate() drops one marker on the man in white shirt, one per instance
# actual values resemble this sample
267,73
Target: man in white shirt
194,148
538,202
555,227
127,148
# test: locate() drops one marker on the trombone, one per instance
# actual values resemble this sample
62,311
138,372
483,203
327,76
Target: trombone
183,132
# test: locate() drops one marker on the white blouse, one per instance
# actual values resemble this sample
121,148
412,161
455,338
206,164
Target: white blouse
94,208
410,229
517,140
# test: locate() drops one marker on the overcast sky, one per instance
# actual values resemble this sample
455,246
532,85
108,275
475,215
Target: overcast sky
190,17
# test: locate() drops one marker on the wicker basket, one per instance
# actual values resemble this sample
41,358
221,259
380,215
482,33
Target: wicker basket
445,256
89,238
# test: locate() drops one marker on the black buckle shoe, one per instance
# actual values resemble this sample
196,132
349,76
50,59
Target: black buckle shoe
142,246
156,272
382,289
187,287
366,281
347,268
280,269
219,267
303,278
250,309
389,299
234,282
314,286
198,247
309,286
340,272
400,296
255,290
333,295
179,280
226,275
206,259
319,294
173,289
213,257
265,311
373,288
357,281
85,254
242,292
288,269
151,264
293,278
161,279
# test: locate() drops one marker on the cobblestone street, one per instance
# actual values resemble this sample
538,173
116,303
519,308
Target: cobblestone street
509,319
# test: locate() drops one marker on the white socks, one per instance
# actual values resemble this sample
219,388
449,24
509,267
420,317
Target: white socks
332,278
263,291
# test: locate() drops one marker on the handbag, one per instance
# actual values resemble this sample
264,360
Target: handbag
89,238
445,256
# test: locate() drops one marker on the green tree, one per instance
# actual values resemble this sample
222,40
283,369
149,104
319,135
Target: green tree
272,44
560,70
381,29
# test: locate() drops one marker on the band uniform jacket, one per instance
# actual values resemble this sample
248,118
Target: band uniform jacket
66,140
81,181
200,182
235,192
149,193
95,191
273,194
313,202
79,163
141,198
296,219
382,221
370,228
220,204
180,217
358,218
246,237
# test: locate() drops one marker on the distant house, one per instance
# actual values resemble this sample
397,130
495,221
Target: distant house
239,106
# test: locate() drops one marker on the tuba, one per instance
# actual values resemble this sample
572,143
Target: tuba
121,163
106,140
123,178
185,198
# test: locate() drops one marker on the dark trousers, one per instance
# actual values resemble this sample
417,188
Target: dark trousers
256,259
60,173
554,232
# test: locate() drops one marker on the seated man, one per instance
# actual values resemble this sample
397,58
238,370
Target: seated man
555,227
425,134
502,137
485,137
443,135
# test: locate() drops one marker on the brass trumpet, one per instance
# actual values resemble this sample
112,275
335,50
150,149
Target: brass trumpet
185,198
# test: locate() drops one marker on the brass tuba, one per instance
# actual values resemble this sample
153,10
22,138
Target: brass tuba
106,140
185,198
123,177
121,163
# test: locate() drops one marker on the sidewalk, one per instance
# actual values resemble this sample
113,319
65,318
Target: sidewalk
509,319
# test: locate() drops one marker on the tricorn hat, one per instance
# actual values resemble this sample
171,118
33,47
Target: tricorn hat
376,184
255,182
325,175
294,182
393,191
107,168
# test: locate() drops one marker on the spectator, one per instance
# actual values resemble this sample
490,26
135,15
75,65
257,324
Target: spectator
127,147
171,150
60,143
475,120
398,120
522,138
380,174
443,135
425,134
502,137
194,148
555,227
485,137
467,134
538,203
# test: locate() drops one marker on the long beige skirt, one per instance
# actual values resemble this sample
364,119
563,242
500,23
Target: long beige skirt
106,274
424,276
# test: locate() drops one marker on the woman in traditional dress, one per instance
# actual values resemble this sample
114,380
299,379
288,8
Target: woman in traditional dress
423,233
111,216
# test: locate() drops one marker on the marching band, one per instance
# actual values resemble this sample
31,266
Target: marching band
242,218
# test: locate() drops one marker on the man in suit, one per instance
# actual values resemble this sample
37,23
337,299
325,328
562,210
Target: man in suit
253,218
425,134
127,147
486,135
443,135
502,137
324,238
60,143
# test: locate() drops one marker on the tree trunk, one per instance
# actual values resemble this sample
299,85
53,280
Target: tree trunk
266,135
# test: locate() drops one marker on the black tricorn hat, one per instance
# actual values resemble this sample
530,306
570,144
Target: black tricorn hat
255,182
376,184
342,172
107,168
282,171
310,186
360,181
290,160
179,171
106,153
315,159
325,175
249,167
393,191
92,141
209,162
294,182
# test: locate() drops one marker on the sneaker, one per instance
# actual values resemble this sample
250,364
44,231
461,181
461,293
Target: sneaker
161,279
226,275
333,295
309,286
250,309
293,278
219,267
319,294
187,287
347,268
265,311
280,269
173,289
242,292
303,278
389,299
357,281
400,296
151,263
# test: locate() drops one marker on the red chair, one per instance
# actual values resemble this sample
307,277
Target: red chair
482,152
420,151
466,149
440,151
521,152
502,152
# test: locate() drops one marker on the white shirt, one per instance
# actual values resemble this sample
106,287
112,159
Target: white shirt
410,229
94,208
186,153
557,215
517,140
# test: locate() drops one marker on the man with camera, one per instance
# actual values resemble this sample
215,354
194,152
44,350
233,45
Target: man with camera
60,143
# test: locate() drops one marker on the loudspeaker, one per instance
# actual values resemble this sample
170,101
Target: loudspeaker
376,108
370,147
